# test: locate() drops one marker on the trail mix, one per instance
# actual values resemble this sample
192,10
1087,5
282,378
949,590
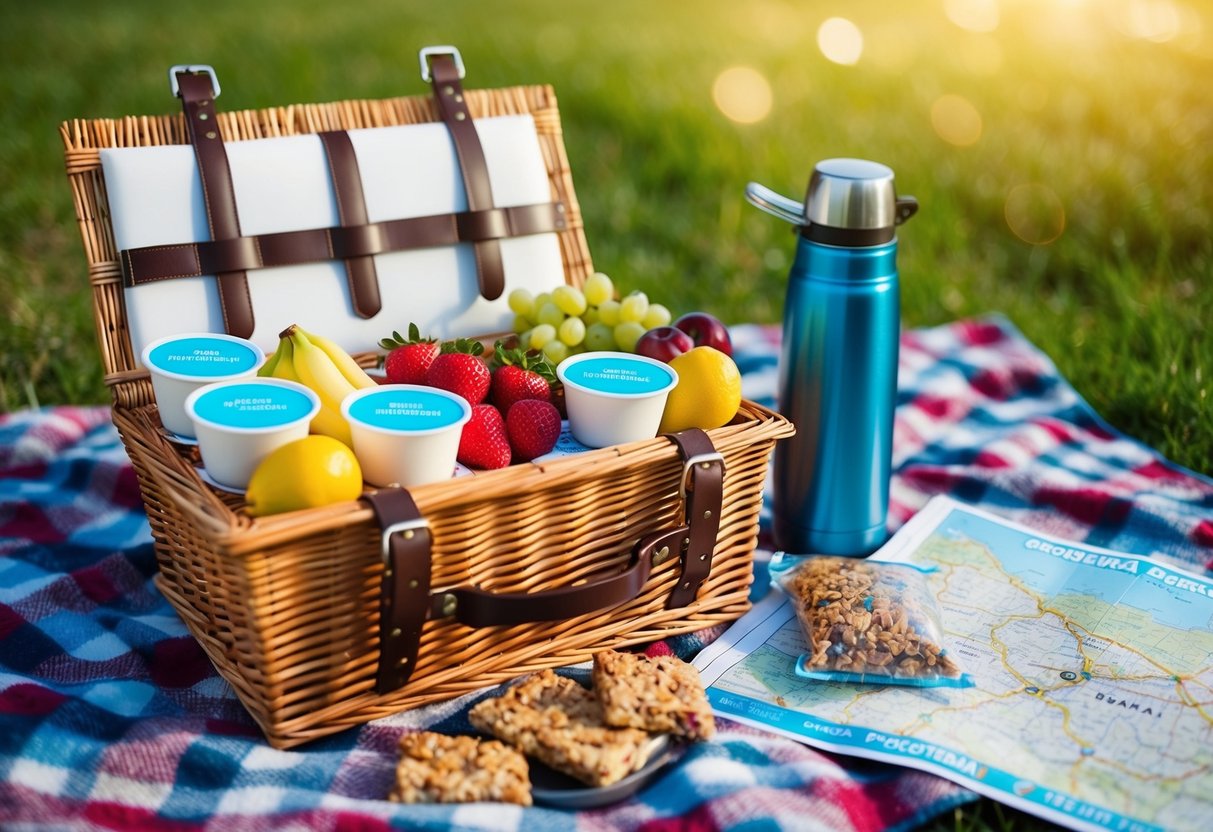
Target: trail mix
867,618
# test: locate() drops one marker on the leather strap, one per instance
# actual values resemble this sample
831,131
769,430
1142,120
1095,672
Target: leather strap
351,211
290,248
703,484
448,92
218,195
694,541
404,597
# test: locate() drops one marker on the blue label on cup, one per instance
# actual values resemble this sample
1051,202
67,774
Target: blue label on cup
203,357
619,375
406,410
252,405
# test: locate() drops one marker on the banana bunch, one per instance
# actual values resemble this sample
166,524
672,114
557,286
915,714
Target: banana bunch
323,366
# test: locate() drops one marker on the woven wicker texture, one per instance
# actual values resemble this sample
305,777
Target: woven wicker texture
287,607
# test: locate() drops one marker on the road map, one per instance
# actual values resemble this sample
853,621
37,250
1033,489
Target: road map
1092,703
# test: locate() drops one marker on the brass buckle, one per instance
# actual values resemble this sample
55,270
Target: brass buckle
207,68
402,526
427,51
697,459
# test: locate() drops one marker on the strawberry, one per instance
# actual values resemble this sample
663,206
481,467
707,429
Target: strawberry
533,427
519,375
483,443
460,370
408,359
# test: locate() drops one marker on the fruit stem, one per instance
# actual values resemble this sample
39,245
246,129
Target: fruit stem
289,331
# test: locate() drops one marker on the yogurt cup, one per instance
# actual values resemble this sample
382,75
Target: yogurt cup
406,434
239,422
180,364
614,397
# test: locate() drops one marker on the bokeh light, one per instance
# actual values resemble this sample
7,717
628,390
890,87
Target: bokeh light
1035,214
840,41
1156,20
742,94
956,120
974,15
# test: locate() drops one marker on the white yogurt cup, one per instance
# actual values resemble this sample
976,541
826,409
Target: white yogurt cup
180,364
239,422
614,397
406,434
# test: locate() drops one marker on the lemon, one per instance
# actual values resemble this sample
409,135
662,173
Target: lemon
309,472
708,392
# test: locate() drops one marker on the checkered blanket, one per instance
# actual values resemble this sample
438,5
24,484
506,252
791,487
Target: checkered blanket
111,717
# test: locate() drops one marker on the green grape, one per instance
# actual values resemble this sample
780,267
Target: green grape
598,289
569,299
549,313
634,307
657,316
521,323
599,336
572,331
555,351
521,302
540,300
541,334
524,338
590,316
608,312
627,334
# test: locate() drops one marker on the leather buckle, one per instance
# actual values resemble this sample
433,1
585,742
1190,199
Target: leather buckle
689,465
204,68
403,526
427,51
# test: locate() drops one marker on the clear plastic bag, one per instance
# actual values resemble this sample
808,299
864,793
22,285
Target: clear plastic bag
866,621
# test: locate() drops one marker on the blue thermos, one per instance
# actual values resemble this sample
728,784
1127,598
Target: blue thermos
838,368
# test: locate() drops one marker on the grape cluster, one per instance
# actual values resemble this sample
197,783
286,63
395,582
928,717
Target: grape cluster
568,320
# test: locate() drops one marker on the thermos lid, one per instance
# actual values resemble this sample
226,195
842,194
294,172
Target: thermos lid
849,202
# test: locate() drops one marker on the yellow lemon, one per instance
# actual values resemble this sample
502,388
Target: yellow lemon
309,472
708,391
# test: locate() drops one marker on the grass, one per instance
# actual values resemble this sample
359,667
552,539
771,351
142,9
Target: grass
1082,210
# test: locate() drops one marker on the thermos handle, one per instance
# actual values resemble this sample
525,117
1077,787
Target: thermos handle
907,206
776,204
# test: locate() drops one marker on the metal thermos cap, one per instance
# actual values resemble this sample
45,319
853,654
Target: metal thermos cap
851,193
850,202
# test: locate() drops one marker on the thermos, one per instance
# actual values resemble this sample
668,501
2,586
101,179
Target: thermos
838,367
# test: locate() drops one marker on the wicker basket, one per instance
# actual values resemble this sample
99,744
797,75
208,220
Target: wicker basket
288,607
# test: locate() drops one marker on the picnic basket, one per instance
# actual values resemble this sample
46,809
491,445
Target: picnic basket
302,612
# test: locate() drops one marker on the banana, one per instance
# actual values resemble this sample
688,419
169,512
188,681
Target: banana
266,370
315,369
349,368
285,369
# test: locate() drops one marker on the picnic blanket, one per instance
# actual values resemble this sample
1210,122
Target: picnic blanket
111,717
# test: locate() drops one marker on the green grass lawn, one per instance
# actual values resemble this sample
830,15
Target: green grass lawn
1062,160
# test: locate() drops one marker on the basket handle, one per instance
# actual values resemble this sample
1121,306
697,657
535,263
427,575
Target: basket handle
406,601
702,487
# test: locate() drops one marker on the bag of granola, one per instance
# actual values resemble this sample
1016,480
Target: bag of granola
866,621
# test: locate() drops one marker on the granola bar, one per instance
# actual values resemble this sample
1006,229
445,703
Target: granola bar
662,694
558,722
435,768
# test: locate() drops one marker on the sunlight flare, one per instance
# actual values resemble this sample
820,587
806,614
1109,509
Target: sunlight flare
742,94
1034,213
840,41
974,15
956,120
